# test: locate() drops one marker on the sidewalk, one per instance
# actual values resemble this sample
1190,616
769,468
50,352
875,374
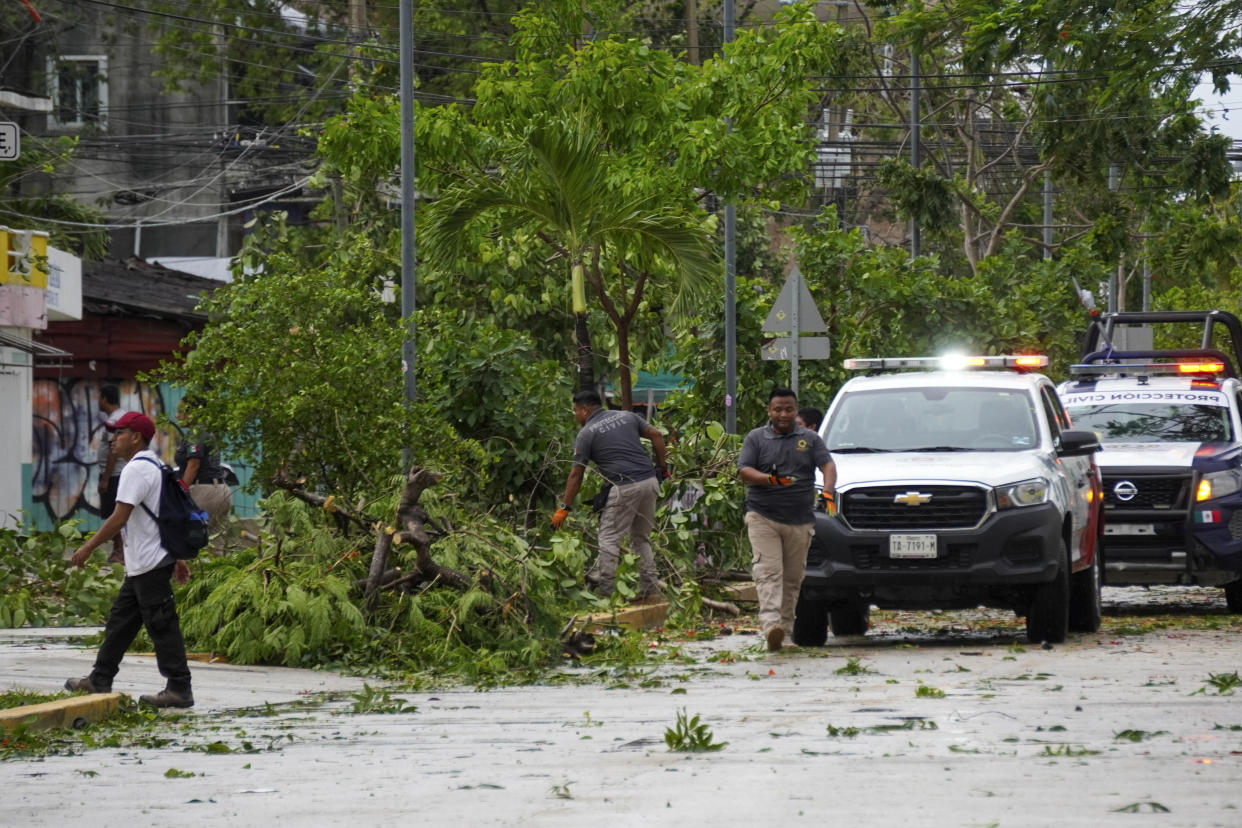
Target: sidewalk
41,659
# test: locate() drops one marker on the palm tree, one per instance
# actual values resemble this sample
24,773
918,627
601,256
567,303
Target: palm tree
555,180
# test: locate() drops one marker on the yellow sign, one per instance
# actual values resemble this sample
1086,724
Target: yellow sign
25,262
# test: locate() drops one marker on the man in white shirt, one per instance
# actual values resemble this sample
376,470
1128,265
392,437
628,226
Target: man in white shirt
146,596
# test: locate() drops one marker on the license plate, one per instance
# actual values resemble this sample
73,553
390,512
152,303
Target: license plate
912,546
1129,529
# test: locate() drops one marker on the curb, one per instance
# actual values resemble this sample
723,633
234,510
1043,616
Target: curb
742,591
654,614
636,618
74,712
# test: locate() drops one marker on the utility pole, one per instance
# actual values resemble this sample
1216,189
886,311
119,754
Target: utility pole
730,255
692,32
1114,280
408,351
1047,214
916,82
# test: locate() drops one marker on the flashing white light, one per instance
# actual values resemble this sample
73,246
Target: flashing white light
949,362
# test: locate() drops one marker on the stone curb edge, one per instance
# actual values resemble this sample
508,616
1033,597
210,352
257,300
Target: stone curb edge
73,712
656,613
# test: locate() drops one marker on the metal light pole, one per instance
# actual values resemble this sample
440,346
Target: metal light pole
916,161
408,350
730,255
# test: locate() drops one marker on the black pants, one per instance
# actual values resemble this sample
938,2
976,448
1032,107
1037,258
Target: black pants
144,600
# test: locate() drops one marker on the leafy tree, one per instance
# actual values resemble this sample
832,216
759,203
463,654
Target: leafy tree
1014,90
737,124
556,183
291,368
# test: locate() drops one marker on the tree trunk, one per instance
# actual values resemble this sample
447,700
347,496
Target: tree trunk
624,377
586,360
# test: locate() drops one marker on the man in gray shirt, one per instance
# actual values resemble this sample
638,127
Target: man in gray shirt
611,440
778,463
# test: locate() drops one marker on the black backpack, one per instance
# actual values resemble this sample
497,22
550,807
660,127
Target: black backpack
183,526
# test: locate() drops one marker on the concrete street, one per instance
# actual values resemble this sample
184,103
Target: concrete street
934,719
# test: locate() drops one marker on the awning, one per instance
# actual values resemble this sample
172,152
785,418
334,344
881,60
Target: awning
45,356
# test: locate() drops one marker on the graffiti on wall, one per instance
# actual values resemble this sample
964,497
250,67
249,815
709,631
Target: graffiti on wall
69,436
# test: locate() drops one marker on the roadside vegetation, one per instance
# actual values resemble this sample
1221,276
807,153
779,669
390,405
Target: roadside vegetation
569,223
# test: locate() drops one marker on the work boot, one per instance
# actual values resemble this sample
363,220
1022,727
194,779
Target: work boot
86,685
167,698
776,637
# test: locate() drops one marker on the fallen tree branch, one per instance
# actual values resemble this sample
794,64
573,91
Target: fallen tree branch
328,503
412,520
721,606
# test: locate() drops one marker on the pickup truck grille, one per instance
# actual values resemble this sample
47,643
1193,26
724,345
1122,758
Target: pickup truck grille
1169,492
948,507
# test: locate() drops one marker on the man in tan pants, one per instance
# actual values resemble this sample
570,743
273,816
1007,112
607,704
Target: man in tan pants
778,463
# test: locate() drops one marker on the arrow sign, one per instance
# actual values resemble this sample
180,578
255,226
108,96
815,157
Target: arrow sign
780,318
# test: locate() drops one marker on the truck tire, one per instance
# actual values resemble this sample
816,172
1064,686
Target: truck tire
810,623
1084,606
1047,618
1233,596
851,620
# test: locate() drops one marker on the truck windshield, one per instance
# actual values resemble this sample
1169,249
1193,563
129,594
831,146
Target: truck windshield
1154,422
932,419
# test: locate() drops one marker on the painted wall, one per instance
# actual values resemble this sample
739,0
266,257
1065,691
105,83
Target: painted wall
67,435
14,431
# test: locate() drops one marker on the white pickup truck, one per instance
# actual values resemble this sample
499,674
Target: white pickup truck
959,484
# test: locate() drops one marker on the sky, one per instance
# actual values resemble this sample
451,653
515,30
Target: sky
1223,111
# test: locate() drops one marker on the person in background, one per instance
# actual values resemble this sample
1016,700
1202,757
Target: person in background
109,464
146,596
777,463
810,417
197,459
611,440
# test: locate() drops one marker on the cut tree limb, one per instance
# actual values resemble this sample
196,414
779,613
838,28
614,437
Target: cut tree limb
412,529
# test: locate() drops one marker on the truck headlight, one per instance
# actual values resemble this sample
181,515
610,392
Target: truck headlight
1218,484
1026,493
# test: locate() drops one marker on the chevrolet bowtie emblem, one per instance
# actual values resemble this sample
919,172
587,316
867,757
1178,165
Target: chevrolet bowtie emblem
912,498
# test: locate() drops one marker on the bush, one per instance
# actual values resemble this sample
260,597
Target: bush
38,588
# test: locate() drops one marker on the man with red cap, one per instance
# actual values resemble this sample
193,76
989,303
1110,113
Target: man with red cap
146,595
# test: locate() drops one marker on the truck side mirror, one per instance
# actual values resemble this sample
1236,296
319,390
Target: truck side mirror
1078,443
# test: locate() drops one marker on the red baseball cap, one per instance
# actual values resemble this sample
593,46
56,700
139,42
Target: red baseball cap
135,421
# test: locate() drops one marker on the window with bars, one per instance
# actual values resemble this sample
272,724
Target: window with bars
79,90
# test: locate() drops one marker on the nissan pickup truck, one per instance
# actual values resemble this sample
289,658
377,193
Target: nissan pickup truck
1170,425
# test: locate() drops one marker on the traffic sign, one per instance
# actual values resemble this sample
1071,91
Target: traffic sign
809,347
781,317
10,141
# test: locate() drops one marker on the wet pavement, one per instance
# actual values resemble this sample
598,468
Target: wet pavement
933,719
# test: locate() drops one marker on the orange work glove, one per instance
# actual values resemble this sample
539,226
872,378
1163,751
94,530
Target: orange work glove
559,517
780,481
830,502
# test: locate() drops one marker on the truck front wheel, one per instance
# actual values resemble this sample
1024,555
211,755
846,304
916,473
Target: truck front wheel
1084,607
1047,618
810,623
1233,596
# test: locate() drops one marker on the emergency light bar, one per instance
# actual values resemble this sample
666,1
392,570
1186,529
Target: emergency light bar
1133,368
951,362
